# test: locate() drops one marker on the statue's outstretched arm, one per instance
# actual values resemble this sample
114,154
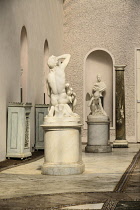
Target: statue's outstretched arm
66,58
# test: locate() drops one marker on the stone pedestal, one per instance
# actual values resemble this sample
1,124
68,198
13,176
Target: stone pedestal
63,149
18,141
98,134
120,108
41,110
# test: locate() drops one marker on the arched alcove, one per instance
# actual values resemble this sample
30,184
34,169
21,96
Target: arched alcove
24,63
99,62
46,71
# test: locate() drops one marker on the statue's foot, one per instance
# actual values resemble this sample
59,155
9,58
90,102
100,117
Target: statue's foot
74,114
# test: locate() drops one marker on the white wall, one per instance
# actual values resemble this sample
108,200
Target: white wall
42,20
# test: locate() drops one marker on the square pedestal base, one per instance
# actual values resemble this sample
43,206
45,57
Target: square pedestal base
63,169
120,144
98,148
19,155
39,148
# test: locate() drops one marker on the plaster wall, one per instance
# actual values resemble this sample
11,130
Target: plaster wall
42,20
106,24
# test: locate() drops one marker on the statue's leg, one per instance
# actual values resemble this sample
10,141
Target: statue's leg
68,111
101,108
51,112
93,107
54,102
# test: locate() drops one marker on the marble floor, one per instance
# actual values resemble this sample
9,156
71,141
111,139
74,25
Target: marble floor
102,173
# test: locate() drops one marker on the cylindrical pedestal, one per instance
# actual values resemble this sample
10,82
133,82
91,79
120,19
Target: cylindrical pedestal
63,149
98,135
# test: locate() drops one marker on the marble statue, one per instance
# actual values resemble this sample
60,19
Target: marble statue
95,101
71,95
99,85
62,127
60,93
98,121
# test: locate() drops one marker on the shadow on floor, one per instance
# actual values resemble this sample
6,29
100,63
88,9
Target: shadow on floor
12,162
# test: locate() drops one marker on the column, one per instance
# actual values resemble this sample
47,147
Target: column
120,140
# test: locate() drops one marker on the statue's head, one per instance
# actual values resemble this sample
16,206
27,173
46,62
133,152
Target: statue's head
98,77
52,61
67,85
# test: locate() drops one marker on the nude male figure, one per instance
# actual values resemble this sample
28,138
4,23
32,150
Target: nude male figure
56,81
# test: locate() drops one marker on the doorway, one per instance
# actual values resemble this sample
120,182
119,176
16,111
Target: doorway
138,94
23,65
46,71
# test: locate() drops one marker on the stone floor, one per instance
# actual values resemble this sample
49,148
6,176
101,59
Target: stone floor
23,186
10,163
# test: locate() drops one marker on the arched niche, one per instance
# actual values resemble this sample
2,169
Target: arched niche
24,63
46,70
101,62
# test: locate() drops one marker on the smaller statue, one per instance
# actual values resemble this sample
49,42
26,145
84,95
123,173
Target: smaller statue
71,96
95,101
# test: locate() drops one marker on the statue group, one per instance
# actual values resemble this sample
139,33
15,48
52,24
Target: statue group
62,127
62,97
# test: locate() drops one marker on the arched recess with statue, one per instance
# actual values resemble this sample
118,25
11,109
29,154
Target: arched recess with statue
100,61
24,65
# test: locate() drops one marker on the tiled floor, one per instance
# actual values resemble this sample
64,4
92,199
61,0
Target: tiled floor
94,186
